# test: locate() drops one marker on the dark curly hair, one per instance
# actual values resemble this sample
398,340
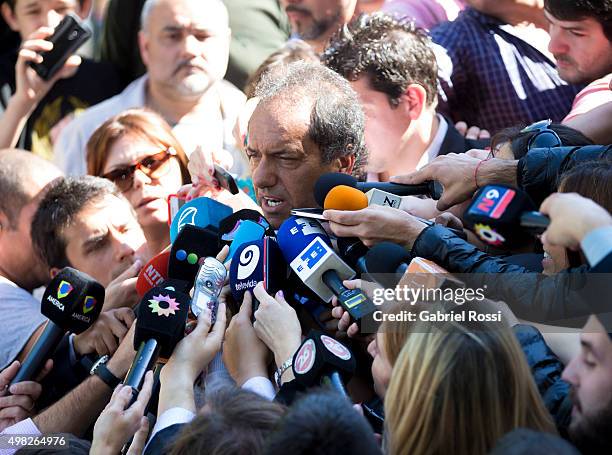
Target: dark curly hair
575,10
392,51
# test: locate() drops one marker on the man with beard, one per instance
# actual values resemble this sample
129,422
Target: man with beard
184,45
590,377
315,21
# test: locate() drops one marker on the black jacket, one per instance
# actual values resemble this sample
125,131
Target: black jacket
455,142
539,170
564,299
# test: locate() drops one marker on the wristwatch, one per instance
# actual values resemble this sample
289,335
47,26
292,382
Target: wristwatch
99,368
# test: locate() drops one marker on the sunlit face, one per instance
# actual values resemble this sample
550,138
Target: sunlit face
185,46
285,163
381,368
104,239
30,15
315,19
590,377
583,52
148,195
384,126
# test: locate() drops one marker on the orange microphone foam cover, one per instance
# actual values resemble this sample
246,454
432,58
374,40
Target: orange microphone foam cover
343,197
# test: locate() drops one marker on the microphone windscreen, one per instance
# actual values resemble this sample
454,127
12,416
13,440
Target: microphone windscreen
319,355
296,233
153,273
344,197
190,248
495,212
256,261
73,300
247,231
162,316
202,212
386,257
229,224
330,180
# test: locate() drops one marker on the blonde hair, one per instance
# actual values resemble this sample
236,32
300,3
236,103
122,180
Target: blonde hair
458,389
139,123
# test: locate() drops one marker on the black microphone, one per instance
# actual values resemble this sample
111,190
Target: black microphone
72,302
322,360
330,180
192,245
160,325
504,216
387,262
353,251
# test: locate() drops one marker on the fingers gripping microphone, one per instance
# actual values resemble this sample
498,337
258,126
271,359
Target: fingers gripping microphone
504,216
72,302
257,261
322,360
307,249
202,212
160,325
326,182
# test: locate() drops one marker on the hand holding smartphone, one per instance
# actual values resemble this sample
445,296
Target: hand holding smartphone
69,35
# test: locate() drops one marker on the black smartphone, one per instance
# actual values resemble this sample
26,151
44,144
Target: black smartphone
225,179
69,35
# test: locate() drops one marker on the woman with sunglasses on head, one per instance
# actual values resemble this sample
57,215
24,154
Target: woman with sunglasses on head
138,152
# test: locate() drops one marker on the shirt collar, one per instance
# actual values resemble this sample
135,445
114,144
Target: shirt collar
434,148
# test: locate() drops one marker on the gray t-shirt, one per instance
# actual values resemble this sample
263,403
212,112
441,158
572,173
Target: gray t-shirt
19,318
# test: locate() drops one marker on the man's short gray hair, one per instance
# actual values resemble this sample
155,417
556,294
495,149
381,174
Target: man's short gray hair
146,12
337,123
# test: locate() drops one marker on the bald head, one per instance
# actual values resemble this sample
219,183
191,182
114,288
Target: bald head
22,176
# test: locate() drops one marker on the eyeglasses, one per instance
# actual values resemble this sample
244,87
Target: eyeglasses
544,137
153,166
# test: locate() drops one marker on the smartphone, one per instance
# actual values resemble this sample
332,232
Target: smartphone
309,213
208,285
225,179
69,35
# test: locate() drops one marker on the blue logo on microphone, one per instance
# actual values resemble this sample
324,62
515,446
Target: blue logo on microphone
312,255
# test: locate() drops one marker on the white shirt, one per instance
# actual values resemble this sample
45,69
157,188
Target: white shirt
434,148
71,147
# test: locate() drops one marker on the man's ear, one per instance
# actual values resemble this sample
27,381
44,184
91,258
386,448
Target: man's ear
346,163
54,271
143,45
84,8
9,17
414,100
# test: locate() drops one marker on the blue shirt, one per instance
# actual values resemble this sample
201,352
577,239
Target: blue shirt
493,79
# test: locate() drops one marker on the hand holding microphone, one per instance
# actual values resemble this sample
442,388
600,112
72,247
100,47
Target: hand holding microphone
572,217
276,324
244,354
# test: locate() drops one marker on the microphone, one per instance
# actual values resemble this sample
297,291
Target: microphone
353,251
192,245
202,212
229,224
153,273
72,302
343,197
327,181
387,262
254,262
380,197
308,251
246,231
322,360
504,216
207,287
160,325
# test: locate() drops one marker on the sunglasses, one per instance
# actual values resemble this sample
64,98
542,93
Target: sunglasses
544,137
153,166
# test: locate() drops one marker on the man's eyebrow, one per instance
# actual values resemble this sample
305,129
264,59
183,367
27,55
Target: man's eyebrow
93,241
588,346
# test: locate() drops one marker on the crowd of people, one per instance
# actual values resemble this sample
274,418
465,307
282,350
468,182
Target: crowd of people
114,172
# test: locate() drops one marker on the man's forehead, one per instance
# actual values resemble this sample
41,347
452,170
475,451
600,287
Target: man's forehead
582,23
200,14
279,121
107,209
595,335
